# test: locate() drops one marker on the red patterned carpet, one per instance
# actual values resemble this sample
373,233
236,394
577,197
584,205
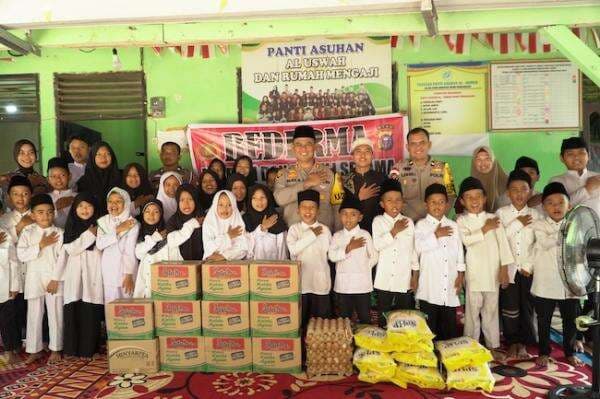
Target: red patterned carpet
78,379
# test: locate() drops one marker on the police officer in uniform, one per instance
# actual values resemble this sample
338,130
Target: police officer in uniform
305,174
419,171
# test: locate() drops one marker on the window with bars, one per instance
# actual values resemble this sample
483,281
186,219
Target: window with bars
113,95
19,98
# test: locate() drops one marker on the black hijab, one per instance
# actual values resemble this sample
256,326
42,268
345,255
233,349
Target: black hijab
144,188
192,249
220,180
16,148
253,218
232,179
251,178
76,226
149,229
204,197
100,181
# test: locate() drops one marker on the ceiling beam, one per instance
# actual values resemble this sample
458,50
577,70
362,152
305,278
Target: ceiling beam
429,16
17,44
574,49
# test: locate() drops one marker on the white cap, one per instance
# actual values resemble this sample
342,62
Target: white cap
359,142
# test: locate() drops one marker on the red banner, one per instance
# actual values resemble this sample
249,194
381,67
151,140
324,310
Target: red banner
270,144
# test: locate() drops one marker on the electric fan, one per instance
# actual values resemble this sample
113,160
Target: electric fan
579,264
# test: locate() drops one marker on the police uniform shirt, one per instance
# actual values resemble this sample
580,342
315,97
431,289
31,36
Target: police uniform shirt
415,180
290,181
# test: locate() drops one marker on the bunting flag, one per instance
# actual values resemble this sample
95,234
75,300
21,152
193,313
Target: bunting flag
459,43
194,50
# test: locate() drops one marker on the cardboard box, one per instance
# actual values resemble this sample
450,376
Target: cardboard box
133,356
130,319
182,354
179,318
230,354
275,281
274,319
225,281
221,318
276,355
176,280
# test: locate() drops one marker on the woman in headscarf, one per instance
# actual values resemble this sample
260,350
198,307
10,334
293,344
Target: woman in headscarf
117,236
265,227
83,291
151,246
167,188
238,185
184,228
218,166
487,169
136,183
25,156
101,174
209,185
243,165
223,231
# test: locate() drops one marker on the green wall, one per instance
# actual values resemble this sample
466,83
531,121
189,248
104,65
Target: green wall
199,90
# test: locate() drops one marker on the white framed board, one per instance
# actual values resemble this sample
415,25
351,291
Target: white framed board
535,95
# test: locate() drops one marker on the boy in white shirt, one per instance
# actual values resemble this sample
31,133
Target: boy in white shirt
547,287
40,247
397,272
582,184
10,286
308,241
62,195
353,252
516,305
487,260
441,264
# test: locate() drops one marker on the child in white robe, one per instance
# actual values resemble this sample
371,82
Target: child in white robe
40,247
10,286
167,188
116,238
223,232
62,195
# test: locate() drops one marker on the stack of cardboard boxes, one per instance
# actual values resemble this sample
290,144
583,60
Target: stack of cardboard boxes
248,319
275,317
176,294
132,346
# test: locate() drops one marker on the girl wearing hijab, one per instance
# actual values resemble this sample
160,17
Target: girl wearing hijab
83,290
487,169
101,174
218,166
209,185
136,183
223,231
243,166
25,155
266,228
151,246
237,184
167,187
184,229
117,236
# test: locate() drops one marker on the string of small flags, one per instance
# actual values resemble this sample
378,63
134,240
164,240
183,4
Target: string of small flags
194,50
502,43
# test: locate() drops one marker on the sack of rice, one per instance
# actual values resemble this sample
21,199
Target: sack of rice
407,331
462,352
423,377
471,378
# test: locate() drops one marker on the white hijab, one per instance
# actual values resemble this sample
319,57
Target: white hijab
109,222
213,222
169,204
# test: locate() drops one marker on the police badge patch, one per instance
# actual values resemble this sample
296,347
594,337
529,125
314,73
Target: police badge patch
385,140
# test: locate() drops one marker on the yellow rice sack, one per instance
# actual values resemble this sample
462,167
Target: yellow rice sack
373,338
407,331
423,377
373,366
462,352
425,359
471,379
